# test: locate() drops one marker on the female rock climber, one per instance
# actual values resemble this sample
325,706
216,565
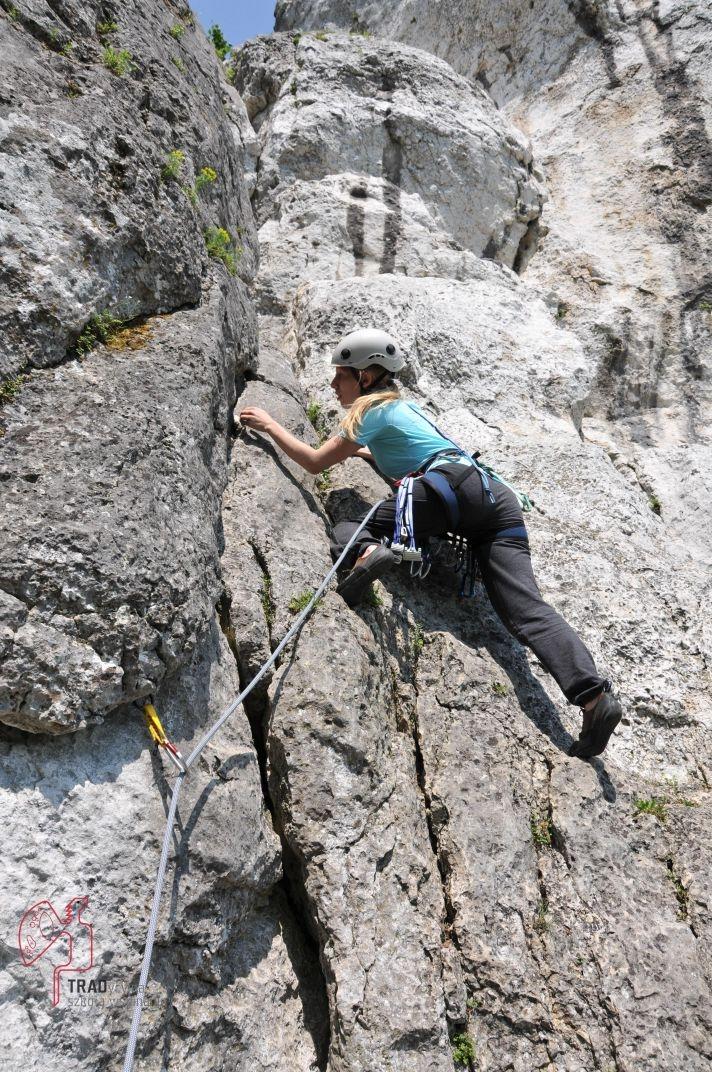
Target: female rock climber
399,440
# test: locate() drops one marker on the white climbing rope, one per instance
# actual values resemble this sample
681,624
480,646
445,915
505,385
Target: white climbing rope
170,821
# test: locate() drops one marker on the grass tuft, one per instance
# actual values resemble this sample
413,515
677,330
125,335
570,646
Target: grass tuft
119,61
463,1049
541,829
10,387
172,165
316,418
220,247
99,329
372,598
298,603
266,599
541,919
656,806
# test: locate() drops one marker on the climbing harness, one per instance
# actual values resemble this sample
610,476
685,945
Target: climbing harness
158,734
486,472
462,557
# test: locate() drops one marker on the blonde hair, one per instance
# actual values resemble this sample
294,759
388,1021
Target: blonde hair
353,418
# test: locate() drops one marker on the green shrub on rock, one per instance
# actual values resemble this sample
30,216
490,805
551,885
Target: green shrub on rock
117,60
219,245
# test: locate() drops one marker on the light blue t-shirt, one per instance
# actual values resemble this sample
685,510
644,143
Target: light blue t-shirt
399,438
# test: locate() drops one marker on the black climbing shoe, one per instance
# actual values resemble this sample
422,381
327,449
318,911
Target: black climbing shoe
356,582
599,723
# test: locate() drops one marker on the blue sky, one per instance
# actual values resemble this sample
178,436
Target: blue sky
238,19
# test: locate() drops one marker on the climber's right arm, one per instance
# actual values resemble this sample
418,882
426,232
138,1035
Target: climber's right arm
314,460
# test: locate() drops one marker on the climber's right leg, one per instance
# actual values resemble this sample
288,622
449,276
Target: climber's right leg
508,577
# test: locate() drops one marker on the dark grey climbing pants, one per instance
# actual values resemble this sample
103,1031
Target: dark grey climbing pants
506,568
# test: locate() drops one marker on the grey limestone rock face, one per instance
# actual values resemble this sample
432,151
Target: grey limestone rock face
617,101
85,817
388,861
113,462
90,219
375,158
563,907
112,470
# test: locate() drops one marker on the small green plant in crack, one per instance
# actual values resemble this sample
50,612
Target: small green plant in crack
323,482
172,165
417,641
656,806
655,505
119,61
315,416
220,247
676,796
541,918
10,387
296,38
13,13
499,688
473,1003
266,599
541,829
704,306
178,62
205,177
220,42
561,310
63,48
293,87
100,328
463,1049
372,598
298,603
105,29
177,30
321,35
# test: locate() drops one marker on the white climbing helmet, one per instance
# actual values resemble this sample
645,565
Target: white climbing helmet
368,346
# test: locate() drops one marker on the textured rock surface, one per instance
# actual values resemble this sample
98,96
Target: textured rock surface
88,222
390,848
374,158
547,866
101,595
617,100
112,466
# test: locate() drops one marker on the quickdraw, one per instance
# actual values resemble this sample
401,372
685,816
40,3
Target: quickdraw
158,734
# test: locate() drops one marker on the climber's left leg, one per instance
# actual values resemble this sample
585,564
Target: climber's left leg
508,577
